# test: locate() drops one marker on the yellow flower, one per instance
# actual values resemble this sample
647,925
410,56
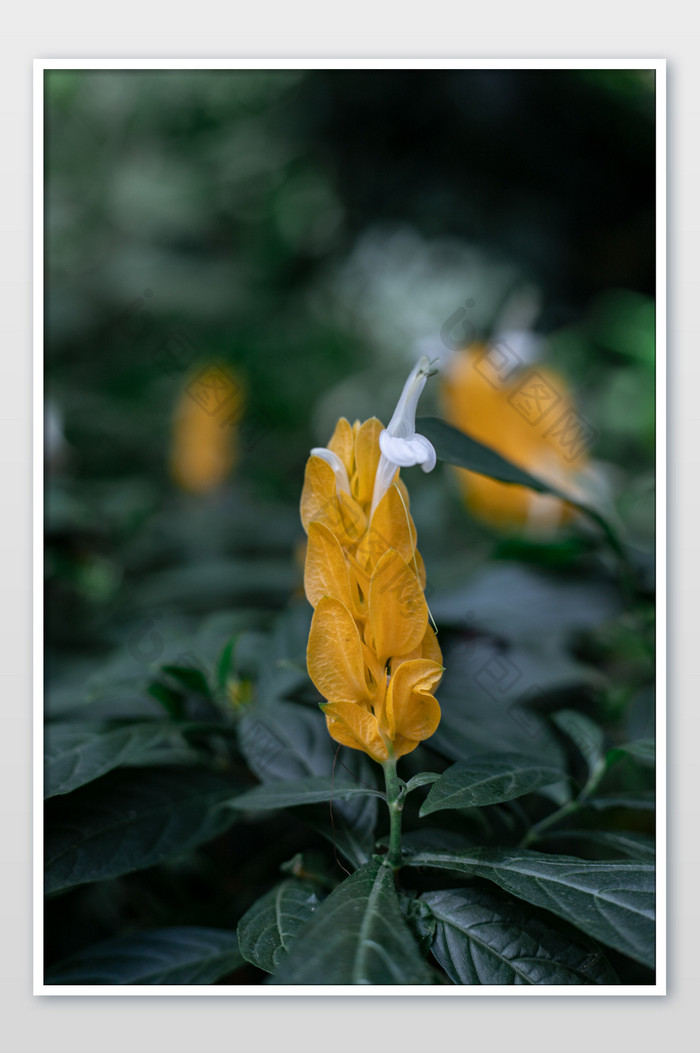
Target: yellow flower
371,652
510,416
204,430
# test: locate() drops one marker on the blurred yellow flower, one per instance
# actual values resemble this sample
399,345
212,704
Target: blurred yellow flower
371,652
530,419
204,443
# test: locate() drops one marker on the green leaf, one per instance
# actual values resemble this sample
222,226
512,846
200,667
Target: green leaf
224,663
484,937
184,955
460,449
636,800
282,741
643,750
419,920
311,790
172,701
585,734
423,778
133,819
352,838
487,779
190,678
457,448
76,754
357,936
266,931
612,901
619,842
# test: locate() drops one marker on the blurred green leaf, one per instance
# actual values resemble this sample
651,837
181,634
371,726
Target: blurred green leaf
617,842
191,679
457,448
77,754
184,955
643,750
585,734
637,800
132,819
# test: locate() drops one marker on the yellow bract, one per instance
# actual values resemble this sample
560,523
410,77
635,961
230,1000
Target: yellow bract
204,447
518,417
371,652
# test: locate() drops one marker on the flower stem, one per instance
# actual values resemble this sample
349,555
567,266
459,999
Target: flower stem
395,792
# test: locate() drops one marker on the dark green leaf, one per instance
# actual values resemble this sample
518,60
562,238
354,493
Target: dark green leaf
617,842
133,819
487,779
284,741
612,901
311,790
357,936
172,701
457,448
531,608
77,754
420,921
585,734
636,800
643,750
223,664
267,930
485,937
201,585
190,678
185,955
353,838
462,450
423,778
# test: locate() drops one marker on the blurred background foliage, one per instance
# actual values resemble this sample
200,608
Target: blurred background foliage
305,235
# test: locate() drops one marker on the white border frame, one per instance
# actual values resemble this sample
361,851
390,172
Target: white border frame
40,67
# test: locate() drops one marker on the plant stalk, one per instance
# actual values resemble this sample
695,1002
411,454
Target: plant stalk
395,792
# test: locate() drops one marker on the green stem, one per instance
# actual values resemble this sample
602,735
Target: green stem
395,793
544,824
568,808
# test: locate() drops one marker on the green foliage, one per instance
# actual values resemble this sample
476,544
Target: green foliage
484,937
612,902
301,791
186,955
488,779
76,754
357,936
267,930
133,819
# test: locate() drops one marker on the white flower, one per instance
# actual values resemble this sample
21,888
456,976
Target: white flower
401,446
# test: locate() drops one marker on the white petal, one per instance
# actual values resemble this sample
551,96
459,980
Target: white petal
403,421
406,452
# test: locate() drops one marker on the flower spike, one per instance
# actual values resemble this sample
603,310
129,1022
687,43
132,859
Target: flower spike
372,653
